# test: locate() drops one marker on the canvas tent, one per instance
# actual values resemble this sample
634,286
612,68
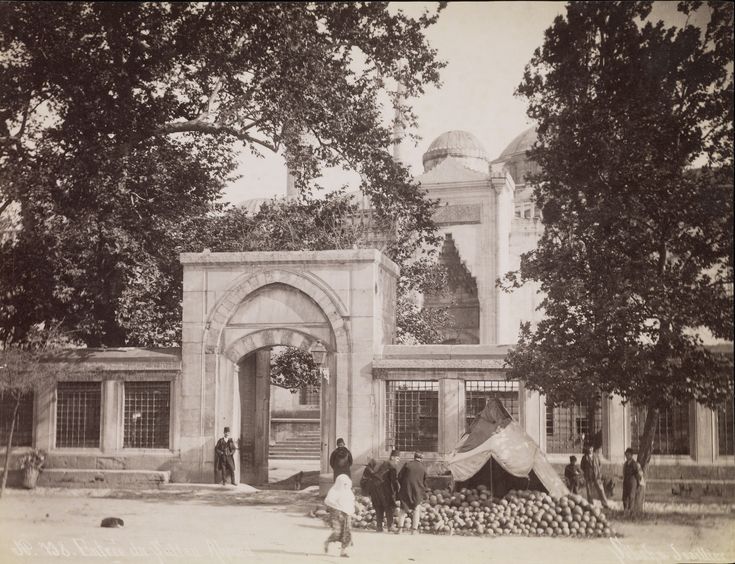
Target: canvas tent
496,444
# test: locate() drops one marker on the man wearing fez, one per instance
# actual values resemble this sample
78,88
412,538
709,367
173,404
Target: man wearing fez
341,460
412,482
224,452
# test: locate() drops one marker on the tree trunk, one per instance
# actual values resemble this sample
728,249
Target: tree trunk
9,446
645,450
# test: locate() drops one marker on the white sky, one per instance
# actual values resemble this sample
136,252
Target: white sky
486,46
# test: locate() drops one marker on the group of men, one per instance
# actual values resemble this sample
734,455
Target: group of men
590,475
388,487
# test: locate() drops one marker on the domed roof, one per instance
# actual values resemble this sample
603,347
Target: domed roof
459,144
520,144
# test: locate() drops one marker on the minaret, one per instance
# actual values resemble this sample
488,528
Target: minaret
291,191
399,131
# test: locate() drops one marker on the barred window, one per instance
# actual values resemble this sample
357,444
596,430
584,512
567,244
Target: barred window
725,428
78,414
570,428
477,392
412,410
146,415
309,396
672,430
23,431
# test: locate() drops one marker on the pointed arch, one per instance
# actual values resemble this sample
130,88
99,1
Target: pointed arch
309,284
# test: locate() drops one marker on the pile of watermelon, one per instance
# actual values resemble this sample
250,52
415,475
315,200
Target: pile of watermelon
475,512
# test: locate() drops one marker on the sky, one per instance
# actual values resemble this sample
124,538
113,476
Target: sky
486,46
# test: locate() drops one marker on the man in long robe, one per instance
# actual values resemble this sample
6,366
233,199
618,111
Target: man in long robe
412,482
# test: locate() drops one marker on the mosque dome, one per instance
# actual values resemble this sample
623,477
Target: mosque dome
514,160
461,145
519,145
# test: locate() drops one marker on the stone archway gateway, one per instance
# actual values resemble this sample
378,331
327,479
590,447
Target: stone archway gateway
236,305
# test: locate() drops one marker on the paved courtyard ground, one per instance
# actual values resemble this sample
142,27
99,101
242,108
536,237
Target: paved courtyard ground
187,524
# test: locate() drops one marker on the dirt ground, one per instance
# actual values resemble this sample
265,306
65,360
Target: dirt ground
226,524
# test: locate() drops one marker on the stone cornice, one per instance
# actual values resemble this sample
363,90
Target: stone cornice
289,257
381,366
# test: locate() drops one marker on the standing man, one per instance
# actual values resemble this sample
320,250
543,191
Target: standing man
412,482
597,487
341,460
382,487
224,452
573,475
586,466
632,480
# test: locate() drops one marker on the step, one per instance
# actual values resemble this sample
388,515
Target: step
314,444
300,456
275,450
78,478
297,444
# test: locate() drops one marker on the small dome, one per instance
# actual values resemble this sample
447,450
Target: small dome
461,145
520,144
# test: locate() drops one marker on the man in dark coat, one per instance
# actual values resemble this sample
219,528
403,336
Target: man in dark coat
587,472
573,475
632,481
224,452
412,482
381,482
341,460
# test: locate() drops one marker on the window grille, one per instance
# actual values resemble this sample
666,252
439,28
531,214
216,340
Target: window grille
147,412
725,428
309,396
23,431
412,409
672,430
78,414
477,392
570,428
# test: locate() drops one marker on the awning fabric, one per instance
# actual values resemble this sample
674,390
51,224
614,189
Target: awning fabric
495,434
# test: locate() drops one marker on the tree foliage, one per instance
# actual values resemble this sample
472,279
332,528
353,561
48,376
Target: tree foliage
635,262
294,369
121,122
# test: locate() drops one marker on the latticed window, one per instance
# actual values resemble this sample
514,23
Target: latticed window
78,414
147,414
672,430
23,431
412,409
309,396
477,392
570,428
725,425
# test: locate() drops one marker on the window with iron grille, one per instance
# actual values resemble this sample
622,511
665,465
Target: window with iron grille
78,414
23,430
672,430
146,414
309,396
477,392
725,429
412,410
570,428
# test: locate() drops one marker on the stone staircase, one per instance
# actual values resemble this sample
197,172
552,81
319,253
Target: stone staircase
305,446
